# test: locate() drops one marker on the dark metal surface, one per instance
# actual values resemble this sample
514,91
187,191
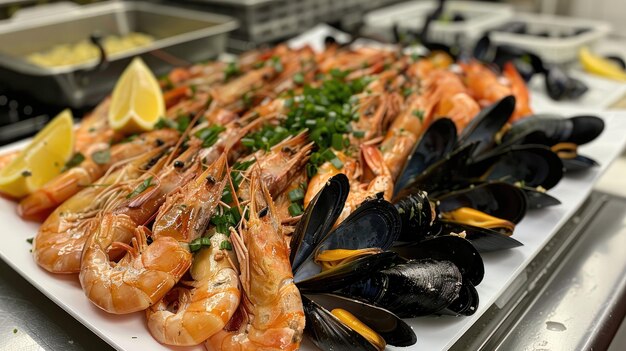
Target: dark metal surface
30,321
572,296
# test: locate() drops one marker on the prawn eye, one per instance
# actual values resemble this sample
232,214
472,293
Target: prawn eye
159,142
179,164
210,179
263,212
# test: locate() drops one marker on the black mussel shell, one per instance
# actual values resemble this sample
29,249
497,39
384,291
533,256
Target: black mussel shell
550,130
393,329
418,216
536,199
466,304
375,223
411,289
498,199
560,86
483,239
442,175
483,50
309,278
450,248
436,142
484,127
318,218
329,333
578,163
531,165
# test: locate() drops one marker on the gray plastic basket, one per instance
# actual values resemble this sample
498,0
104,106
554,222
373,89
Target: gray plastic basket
263,21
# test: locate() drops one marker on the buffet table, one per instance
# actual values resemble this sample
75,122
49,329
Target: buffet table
578,239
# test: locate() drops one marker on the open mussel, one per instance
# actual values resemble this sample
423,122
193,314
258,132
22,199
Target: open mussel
390,327
419,217
334,259
484,128
321,215
550,130
436,142
529,165
538,198
328,333
497,199
483,239
562,135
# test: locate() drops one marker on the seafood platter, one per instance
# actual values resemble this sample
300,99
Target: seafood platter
350,198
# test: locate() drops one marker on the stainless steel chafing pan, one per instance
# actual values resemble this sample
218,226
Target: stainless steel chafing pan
180,36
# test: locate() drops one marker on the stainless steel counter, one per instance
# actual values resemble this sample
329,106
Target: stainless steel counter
29,321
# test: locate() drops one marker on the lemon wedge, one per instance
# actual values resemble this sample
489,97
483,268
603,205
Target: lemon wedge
41,160
137,101
600,66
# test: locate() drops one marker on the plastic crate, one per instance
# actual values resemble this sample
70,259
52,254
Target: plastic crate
479,16
553,49
263,21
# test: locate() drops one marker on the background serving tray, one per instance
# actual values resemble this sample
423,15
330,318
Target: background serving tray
434,333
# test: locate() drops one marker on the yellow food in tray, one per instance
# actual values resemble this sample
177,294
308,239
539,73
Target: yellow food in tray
83,51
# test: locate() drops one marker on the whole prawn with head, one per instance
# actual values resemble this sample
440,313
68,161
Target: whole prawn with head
272,316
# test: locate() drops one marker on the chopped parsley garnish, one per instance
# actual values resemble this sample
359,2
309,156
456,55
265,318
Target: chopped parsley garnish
29,240
141,188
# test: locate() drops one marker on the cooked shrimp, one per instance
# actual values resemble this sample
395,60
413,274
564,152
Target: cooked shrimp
483,83
519,90
39,204
137,280
403,134
94,129
279,165
193,311
140,278
59,243
186,213
272,308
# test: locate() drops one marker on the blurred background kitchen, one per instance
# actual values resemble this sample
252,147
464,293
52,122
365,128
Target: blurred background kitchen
49,60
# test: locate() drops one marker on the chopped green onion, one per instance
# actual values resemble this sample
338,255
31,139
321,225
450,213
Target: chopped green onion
226,245
76,159
337,142
101,157
419,114
337,163
141,188
358,134
296,195
328,155
295,210
298,78
195,245
231,70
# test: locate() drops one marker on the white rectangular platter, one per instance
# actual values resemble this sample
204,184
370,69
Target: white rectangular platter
434,333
